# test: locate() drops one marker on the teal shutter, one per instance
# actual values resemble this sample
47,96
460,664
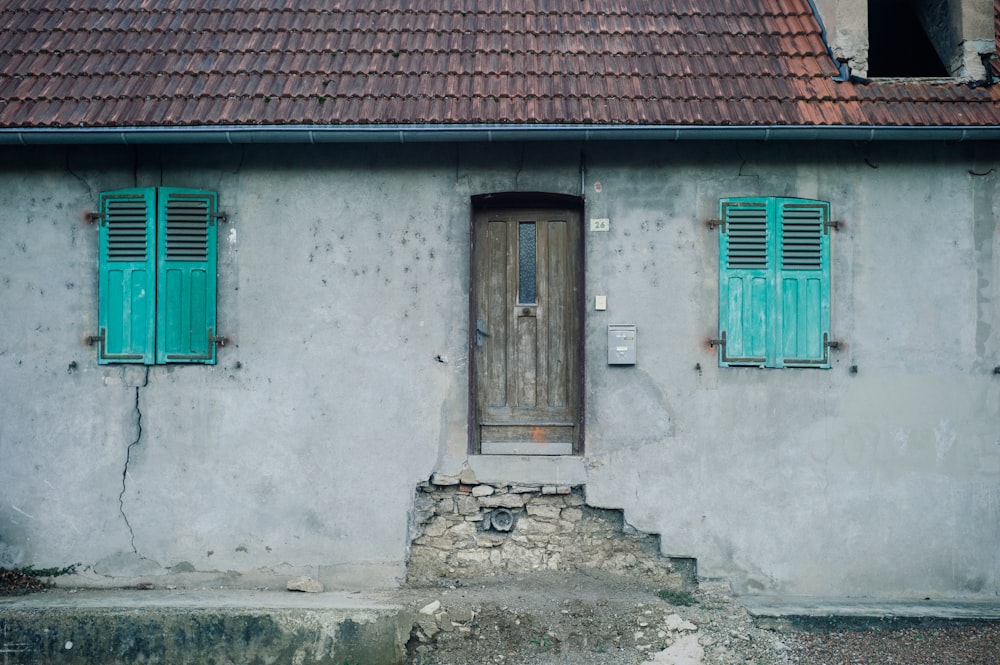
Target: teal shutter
803,284
744,282
126,276
186,243
774,283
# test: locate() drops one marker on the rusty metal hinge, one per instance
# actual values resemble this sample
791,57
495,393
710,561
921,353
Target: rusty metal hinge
713,223
92,217
832,224
831,343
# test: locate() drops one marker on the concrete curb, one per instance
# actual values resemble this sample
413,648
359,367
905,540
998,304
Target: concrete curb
794,613
212,626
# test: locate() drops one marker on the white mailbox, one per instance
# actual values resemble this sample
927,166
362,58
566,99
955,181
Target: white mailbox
621,345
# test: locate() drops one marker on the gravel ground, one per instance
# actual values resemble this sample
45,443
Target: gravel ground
550,619
590,619
962,643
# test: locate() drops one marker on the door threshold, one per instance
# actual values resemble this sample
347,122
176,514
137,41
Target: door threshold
526,448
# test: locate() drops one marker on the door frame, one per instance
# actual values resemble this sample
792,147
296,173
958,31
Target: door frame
528,200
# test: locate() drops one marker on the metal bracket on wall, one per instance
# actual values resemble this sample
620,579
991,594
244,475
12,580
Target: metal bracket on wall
833,224
102,350
712,224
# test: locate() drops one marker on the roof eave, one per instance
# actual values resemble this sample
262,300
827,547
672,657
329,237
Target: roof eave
426,133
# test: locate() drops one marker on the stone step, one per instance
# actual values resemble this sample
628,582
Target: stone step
180,627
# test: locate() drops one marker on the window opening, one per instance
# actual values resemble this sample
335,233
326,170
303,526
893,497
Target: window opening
898,42
527,292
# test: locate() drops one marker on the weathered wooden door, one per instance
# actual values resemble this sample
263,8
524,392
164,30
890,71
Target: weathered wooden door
526,331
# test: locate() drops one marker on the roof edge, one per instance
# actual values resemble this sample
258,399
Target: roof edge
315,134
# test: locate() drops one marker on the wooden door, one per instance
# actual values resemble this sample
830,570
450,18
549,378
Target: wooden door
526,332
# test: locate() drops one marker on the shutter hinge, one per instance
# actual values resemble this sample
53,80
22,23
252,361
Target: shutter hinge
221,341
102,351
92,217
713,223
833,224
831,343
220,216
718,342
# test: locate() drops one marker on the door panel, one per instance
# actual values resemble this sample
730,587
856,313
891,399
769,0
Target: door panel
527,376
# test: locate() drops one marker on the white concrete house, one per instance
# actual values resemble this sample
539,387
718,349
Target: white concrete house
729,267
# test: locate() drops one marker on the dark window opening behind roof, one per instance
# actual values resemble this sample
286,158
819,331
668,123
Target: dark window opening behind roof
898,44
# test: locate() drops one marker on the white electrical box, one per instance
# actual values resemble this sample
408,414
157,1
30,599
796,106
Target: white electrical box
621,345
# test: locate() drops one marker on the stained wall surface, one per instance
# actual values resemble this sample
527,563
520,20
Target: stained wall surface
344,295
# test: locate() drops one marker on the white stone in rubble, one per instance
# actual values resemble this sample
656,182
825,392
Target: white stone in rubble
304,583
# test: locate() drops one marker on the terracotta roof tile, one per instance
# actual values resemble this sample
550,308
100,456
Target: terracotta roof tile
106,63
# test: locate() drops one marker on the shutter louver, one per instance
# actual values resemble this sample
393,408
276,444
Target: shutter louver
746,230
187,228
127,225
801,237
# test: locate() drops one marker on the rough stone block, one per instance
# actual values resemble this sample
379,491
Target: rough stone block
483,490
444,480
467,505
544,511
502,501
435,528
445,505
472,556
528,525
461,530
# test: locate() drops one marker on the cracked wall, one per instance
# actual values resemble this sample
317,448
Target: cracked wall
128,455
343,286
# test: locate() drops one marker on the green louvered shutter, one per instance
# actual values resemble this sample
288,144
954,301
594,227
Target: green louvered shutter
745,286
186,243
127,276
802,283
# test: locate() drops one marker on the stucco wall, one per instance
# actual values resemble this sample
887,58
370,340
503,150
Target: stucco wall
343,288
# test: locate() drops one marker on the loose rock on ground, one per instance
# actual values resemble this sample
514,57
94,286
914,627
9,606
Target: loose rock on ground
592,618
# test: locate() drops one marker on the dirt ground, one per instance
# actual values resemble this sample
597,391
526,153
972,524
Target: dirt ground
580,618
601,619
551,618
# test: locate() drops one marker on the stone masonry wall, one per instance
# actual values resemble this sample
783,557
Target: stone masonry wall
464,529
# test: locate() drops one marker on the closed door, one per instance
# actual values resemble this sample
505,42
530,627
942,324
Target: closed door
526,332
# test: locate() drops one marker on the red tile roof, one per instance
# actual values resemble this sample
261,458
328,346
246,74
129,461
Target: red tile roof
144,63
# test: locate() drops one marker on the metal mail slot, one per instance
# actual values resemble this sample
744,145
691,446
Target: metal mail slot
621,345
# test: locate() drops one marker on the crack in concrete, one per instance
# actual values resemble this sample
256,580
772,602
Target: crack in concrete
128,458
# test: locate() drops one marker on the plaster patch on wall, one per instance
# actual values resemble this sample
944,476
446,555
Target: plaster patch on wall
944,439
916,431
